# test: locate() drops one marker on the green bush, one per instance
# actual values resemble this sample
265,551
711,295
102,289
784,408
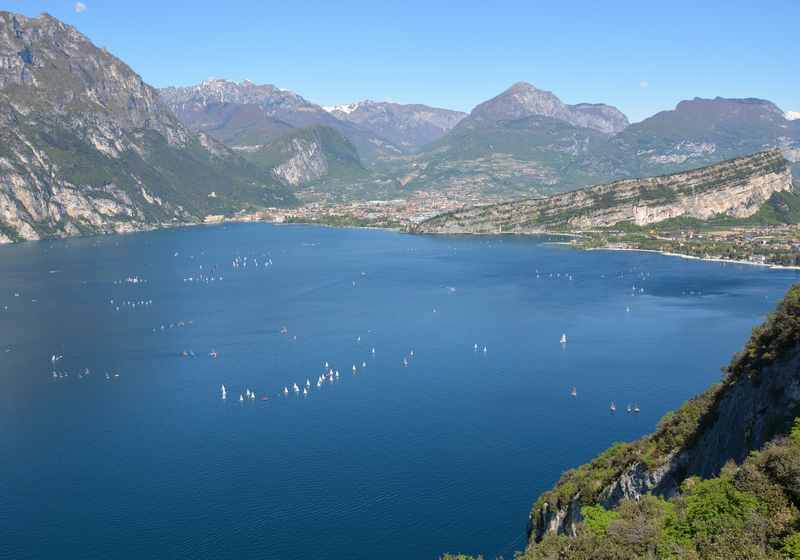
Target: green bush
791,546
712,506
597,518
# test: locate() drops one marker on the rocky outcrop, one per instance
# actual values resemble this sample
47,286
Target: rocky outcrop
735,188
86,146
559,518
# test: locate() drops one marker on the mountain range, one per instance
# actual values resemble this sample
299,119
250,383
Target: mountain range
86,145
524,141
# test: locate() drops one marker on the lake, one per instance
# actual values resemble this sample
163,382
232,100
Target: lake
116,446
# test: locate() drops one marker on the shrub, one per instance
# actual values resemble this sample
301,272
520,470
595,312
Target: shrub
791,546
711,508
597,518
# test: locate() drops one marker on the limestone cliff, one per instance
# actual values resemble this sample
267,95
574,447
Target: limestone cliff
735,188
308,155
307,163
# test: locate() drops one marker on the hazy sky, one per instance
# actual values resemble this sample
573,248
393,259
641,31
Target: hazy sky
641,56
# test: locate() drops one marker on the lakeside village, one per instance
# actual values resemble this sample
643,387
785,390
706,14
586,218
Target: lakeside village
773,245
768,245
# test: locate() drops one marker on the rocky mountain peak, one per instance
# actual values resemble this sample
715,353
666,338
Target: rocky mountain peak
519,101
523,100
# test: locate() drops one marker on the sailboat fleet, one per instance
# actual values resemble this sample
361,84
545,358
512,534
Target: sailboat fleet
329,375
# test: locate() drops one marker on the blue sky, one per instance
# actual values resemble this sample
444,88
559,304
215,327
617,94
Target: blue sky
641,56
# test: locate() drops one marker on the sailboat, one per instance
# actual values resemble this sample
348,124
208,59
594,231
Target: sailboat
574,392
563,339
613,407
224,392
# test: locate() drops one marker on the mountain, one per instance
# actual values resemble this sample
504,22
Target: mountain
529,156
526,142
523,100
719,478
199,106
309,154
737,188
86,146
702,131
247,114
408,126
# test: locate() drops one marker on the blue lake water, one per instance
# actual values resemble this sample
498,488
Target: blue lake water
445,454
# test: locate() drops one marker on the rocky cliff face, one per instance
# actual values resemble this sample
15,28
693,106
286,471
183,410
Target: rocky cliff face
758,400
86,146
308,155
307,163
407,126
736,188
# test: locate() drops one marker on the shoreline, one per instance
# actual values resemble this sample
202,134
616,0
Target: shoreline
571,243
693,257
